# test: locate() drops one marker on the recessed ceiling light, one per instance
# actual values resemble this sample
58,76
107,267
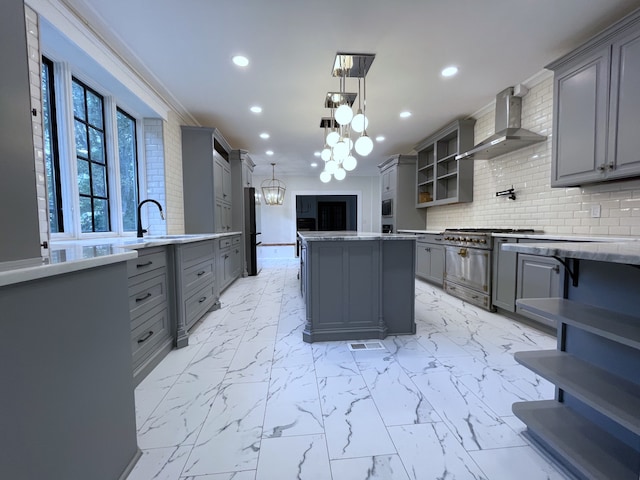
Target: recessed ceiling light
314,164
240,60
405,114
269,152
264,135
256,109
316,154
449,71
380,138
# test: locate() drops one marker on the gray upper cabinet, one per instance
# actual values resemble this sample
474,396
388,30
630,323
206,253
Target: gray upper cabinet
397,180
206,178
440,178
597,108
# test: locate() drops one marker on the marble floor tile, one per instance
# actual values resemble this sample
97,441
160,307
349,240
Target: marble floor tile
332,359
472,421
431,451
352,423
179,416
293,404
251,363
378,467
301,457
160,464
243,475
230,437
291,351
523,463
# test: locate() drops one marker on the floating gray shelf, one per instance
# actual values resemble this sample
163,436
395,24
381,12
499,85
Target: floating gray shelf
586,448
617,327
613,396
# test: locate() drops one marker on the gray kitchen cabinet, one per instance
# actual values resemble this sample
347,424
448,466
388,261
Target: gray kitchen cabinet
20,237
149,309
206,178
228,260
597,108
430,259
397,177
440,178
196,289
68,409
539,277
505,267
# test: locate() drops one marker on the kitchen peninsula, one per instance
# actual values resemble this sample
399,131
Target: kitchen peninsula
593,425
357,286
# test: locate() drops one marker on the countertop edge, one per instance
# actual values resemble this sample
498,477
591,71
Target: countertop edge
627,252
351,236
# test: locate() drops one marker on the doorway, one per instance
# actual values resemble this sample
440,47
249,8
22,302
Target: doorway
332,216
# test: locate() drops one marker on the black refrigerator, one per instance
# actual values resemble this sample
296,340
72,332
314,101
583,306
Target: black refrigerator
252,231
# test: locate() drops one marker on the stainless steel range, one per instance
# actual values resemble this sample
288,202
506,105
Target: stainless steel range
468,253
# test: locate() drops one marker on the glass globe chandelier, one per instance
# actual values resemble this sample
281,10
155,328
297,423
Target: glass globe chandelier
273,189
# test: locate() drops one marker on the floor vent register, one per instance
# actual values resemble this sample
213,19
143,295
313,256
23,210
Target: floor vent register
358,346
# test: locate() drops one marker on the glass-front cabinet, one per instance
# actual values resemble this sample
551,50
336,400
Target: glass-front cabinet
440,178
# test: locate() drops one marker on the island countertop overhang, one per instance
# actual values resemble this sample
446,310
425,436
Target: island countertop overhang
351,236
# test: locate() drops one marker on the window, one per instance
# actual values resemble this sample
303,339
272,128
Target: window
91,158
128,155
51,156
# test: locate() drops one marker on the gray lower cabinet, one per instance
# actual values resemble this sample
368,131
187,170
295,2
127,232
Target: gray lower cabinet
430,259
149,309
229,260
68,409
597,108
538,277
196,289
505,267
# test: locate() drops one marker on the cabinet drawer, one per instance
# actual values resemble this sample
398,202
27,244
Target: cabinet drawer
235,240
147,294
196,305
146,336
196,276
225,242
146,262
196,251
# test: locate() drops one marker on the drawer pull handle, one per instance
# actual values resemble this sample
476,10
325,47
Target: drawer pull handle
140,265
146,337
202,299
139,299
201,273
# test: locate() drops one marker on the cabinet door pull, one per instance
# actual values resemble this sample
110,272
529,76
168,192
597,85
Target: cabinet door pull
556,268
610,166
200,273
601,168
146,264
144,297
202,299
146,337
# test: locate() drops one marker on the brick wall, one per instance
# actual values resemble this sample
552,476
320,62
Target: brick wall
538,206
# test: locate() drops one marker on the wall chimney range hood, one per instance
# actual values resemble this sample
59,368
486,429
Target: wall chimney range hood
509,137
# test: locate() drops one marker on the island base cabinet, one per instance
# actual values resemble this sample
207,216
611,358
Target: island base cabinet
68,408
357,290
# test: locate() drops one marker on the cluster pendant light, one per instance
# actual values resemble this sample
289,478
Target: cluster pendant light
338,151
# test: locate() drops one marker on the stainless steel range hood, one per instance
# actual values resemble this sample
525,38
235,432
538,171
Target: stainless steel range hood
509,136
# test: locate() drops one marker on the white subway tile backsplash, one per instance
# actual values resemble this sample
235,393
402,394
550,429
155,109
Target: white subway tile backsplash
554,210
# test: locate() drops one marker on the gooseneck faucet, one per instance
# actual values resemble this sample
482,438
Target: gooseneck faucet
141,231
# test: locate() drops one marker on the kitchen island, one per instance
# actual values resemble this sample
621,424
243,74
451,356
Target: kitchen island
357,286
593,425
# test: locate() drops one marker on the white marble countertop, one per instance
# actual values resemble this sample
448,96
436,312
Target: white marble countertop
350,235
74,255
627,252
422,232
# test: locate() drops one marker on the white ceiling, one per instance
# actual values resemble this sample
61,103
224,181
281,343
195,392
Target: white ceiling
184,49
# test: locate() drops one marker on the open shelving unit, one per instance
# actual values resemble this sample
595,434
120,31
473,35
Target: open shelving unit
440,178
597,434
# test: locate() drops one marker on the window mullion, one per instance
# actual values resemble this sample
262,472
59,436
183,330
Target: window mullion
67,149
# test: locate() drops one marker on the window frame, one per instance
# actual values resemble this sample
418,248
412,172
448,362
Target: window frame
64,77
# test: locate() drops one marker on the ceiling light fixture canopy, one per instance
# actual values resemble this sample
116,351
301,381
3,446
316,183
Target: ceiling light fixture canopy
273,190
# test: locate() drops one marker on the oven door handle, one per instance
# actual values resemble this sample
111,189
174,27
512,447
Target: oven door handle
463,252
